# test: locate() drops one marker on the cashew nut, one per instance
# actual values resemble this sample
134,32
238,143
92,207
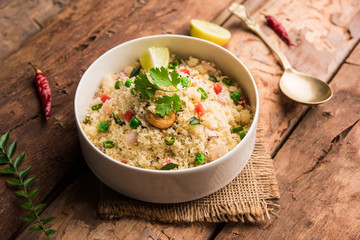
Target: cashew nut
160,122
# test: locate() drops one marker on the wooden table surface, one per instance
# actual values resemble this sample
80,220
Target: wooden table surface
315,149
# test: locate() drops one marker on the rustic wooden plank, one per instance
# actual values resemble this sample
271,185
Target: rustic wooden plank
354,58
76,218
200,230
20,19
64,48
320,31
318,171
4,3
251,6
224,15
80,51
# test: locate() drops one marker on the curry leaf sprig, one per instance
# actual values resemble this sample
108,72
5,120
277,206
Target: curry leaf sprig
23,183
160,77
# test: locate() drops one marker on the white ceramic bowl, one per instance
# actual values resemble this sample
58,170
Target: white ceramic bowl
160,186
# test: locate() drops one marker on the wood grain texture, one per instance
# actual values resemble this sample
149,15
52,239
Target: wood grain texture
76,218
76,36
354,58
318,171
20,19
63,49
320,49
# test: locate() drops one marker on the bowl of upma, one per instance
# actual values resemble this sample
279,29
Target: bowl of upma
167,118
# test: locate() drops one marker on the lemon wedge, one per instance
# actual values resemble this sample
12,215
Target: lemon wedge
155,57
209,31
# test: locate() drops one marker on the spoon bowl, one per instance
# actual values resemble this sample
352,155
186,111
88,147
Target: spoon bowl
303,88
297,86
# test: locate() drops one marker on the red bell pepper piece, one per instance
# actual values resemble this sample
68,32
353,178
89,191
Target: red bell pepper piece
104,98
184,70
128,115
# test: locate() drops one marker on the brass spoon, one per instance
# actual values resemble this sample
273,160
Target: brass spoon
297,86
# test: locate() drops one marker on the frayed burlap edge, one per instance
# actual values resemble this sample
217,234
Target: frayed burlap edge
250,197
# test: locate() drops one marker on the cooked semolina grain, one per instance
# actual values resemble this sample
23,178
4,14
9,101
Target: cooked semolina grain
147,146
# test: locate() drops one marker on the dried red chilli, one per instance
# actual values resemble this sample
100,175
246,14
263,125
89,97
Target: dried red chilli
43,89
279,29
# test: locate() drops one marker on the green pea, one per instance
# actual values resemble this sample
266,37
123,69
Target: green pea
227,81
103,126
235,96
243,134
169,140
185,82
132,91
128,83
118,84
200,159
237,129
108,144
213,79
203,93
134,123
96,107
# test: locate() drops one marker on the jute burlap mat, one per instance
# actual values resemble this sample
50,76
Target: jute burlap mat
251,197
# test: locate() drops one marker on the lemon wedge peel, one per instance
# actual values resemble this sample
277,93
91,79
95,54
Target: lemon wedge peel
155,57
209,31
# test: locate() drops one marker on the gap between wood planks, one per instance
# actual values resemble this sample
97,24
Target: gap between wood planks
286,136
338,138
64,182
221,19
219,228
298,192
224,16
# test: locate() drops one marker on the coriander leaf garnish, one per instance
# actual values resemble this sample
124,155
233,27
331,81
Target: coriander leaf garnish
166,104
176,102
163,109
146,88
24,184
175,78
159,77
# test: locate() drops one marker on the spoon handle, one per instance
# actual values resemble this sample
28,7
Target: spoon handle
240,11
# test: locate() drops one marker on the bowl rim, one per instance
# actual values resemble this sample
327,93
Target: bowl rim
179,171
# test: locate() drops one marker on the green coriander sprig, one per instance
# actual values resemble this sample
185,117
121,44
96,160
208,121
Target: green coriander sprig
160,77
23,183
